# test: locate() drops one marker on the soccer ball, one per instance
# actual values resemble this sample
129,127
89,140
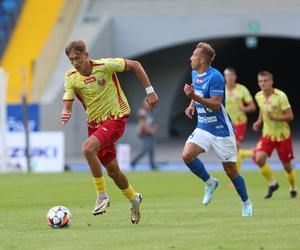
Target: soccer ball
59,217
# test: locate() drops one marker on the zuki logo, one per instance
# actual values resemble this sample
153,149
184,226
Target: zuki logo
45,152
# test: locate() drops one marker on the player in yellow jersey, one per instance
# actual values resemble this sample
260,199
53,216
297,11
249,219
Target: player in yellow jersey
239,102
95,84
275,114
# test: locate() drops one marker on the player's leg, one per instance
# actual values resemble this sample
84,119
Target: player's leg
239,136
240,186
113,171
285,153
266,171
225,149
90,149
241,130
94,150
291,176
196,144
263,150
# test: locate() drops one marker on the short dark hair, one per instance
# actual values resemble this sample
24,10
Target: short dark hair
265,73
207,50
77,45
231,69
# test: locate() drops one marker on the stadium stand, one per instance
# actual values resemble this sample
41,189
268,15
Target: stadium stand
31,31
9,13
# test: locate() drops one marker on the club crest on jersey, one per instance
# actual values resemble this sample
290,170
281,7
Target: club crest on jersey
89,80
101,82
199,80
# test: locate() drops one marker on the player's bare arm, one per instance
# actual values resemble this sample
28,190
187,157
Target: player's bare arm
190,110
140,73
248,107
287,116
214,102
66,112
256,125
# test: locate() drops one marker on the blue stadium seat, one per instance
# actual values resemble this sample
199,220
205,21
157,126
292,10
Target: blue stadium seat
9,12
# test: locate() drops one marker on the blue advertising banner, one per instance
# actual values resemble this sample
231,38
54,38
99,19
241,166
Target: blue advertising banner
15,117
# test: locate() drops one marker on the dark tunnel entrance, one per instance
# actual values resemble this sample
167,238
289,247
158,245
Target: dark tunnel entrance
274,54
277,55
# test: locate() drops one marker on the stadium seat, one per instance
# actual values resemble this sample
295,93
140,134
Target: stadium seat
9,12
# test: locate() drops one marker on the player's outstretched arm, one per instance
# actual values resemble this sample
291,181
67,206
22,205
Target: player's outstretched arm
66,112
214,102
140,73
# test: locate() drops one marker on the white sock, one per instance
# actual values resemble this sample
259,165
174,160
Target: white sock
102,196
247,202
273,183
210,181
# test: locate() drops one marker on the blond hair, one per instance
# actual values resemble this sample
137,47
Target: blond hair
207,51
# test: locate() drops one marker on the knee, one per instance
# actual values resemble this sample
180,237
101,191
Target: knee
187,157
87,149
287,166
231,170
260,161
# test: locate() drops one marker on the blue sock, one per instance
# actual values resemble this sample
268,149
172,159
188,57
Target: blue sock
197,167
240,187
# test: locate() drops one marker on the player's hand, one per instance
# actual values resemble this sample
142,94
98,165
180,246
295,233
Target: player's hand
256,125
189,112
152,100
65,116
271,116
189,90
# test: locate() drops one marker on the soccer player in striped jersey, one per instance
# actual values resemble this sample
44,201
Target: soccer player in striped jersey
96,85
214,129
275,115
239,102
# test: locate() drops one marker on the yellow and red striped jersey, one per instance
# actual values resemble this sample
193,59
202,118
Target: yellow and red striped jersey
100,92
277,103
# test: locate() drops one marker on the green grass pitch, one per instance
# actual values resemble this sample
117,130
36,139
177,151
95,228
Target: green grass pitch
172,214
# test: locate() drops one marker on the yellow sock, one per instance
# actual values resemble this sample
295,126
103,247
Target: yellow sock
238,161
129,193
100,185
245,153
291,178
267,173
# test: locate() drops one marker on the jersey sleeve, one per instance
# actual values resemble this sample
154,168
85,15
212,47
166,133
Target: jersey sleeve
69,94
284,102
257,99
113,65
217,86
247,97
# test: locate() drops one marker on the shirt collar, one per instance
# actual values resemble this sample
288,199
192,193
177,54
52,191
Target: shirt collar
204,73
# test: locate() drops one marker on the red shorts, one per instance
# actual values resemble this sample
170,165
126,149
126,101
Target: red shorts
107,134
240,131
284,148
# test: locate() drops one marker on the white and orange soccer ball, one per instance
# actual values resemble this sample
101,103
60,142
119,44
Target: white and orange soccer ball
59,217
